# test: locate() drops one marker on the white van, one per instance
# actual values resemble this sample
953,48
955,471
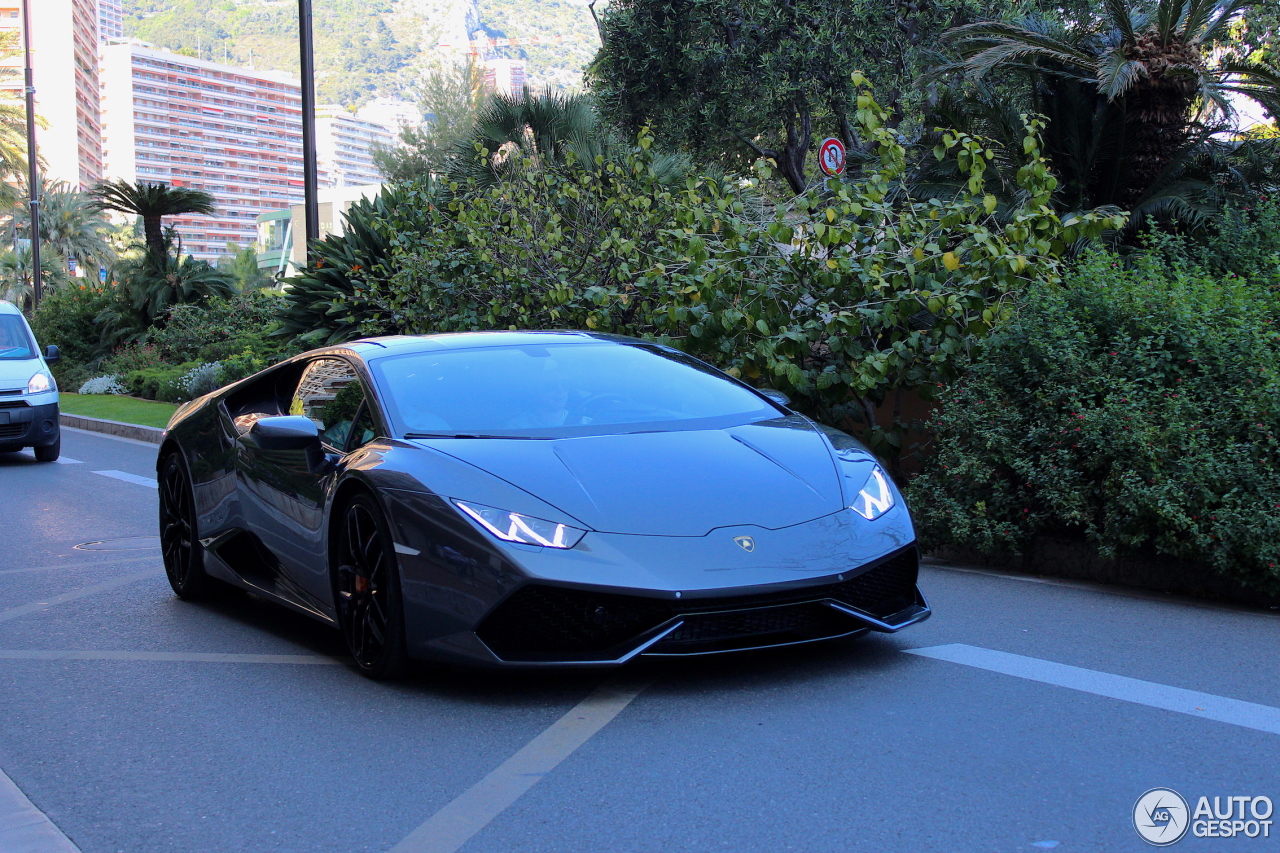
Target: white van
28,394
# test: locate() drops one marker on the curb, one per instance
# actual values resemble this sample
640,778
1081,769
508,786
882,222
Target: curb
137,432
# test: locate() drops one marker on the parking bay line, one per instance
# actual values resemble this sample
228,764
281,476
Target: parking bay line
24,828
149,482
37,606
473,810
181,657
1249,715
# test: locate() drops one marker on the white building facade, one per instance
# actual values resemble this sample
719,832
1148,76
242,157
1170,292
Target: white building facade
64,61
232,132
344,147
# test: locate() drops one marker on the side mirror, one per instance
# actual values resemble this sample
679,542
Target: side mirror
776,396
51,354
287,432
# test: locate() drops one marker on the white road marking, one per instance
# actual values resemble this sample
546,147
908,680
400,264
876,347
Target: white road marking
406,550
67,460
455,824
149,482
182,657
1249,715
24,828
37,606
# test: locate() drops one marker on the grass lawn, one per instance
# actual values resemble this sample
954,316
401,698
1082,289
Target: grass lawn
112,407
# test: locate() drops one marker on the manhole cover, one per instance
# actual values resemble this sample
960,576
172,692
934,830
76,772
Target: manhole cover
129,543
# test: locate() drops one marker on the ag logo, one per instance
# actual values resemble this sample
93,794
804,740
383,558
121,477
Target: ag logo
1161,817
746,543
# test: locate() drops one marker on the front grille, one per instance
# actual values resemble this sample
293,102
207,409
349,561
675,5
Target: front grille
12,430
549,623
762,626
14,404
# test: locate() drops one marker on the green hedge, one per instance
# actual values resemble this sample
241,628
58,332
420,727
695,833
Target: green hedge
1138,409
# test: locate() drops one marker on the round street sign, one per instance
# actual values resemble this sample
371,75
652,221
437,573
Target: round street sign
831,156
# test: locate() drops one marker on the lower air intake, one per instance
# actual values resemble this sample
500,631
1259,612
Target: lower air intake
544,623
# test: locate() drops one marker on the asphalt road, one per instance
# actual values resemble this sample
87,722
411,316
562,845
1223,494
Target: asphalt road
136,722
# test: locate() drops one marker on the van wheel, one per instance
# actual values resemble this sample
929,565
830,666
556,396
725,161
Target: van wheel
51,452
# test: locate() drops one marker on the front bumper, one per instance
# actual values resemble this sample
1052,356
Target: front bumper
546,624
25,425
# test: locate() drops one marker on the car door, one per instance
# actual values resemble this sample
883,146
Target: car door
284,492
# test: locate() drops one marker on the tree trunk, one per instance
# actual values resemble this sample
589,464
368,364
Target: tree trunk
796,151
154,235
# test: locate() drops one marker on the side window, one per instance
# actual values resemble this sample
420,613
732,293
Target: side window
330,394
363,431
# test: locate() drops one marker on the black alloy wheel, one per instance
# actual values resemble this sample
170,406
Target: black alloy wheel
179,545
368,591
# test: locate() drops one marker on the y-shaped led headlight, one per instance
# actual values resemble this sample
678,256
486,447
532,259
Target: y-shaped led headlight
876,498
525,529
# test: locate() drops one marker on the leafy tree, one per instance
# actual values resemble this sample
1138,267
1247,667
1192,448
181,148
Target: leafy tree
152,202
737,79
1134,101
450,96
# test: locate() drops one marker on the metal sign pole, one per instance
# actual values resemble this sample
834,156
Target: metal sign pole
311,204
33,170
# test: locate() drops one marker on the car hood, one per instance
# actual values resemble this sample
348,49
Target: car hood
771,474
16,373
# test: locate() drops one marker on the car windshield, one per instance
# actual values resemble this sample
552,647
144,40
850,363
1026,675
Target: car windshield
15,342
559,391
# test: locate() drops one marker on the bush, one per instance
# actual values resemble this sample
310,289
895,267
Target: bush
1137,409
199,380
838,300
133,357
102,385
67,317
158,383
221,328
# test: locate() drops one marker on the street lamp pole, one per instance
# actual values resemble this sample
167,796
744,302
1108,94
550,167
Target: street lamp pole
33,171
311,204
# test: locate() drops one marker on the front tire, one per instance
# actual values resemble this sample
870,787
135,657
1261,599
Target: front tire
49,453
367,590
179,545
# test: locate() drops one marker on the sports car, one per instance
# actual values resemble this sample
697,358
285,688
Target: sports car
532,499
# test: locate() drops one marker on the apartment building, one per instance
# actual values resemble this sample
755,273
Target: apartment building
234,133
505,76
110,19
344,147
64,61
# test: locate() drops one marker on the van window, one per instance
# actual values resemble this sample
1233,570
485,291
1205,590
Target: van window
15,340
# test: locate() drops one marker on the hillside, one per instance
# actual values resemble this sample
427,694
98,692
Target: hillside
368,48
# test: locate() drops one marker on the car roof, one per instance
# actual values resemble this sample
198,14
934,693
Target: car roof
9,308
400,344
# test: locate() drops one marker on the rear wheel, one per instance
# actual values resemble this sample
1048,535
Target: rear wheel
181,550
50,452
368,591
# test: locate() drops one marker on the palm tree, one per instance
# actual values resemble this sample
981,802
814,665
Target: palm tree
152,202
13,121
543,130
71,224
16,273
1137,96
